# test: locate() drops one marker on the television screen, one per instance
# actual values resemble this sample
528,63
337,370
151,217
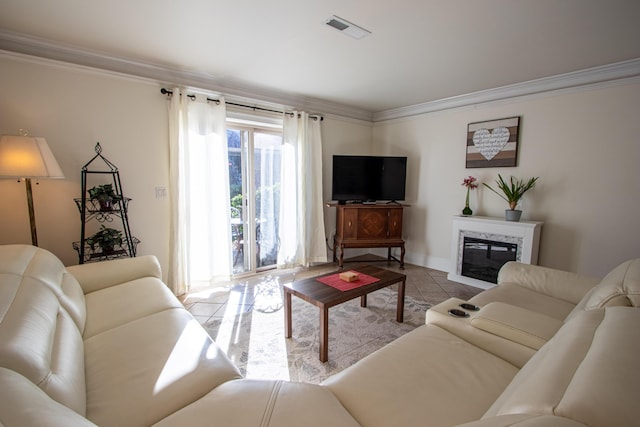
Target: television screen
368,178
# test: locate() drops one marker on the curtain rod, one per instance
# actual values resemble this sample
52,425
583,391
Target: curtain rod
217,101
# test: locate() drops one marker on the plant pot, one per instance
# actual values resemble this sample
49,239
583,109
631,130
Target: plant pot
105,205
107,249
512,215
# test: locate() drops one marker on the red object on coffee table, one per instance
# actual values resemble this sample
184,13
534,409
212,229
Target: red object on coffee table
336,282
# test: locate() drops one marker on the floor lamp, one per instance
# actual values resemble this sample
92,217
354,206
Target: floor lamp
26,157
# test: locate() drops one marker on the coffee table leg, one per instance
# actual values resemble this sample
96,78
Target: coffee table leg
324,334
287,314
400,309
363,300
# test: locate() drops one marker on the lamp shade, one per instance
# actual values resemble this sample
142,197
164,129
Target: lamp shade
27,157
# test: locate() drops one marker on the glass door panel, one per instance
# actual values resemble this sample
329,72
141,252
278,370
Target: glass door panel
237,141
266,161
254,187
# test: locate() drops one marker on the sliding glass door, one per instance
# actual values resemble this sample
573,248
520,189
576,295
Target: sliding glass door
254,187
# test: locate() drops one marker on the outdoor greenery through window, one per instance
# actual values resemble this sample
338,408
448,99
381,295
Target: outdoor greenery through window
254,187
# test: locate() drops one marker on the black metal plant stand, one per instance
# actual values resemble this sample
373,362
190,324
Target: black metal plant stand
90,210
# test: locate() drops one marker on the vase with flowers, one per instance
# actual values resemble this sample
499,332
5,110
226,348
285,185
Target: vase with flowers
471,184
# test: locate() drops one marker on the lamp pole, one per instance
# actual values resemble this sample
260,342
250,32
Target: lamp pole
32,216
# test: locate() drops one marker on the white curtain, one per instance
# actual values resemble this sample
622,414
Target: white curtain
178,274
302,235
199,165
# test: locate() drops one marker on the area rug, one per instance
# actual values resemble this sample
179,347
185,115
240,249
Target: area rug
254,340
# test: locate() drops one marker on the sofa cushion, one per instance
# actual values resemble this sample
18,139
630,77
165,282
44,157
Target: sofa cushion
146,369
586,372
564,285
524,420
41,410
520,296
40,341
621,287
45,268
516,324
116,305
264,403
428,376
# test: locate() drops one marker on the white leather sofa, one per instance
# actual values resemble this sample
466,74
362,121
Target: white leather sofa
107,344
544,348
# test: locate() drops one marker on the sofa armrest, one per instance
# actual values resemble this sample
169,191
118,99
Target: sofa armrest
462,327
99,275
564,285
516,324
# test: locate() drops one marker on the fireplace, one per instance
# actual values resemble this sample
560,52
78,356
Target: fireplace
482,259
482,245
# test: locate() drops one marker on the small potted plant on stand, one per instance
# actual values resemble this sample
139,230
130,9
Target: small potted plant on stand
105,196
512,193
107,239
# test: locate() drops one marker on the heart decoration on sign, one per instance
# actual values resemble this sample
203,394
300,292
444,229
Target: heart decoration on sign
490,143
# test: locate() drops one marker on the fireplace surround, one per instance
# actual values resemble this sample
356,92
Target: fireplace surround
481,245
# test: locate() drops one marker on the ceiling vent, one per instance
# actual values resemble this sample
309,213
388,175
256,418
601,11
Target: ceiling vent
346,27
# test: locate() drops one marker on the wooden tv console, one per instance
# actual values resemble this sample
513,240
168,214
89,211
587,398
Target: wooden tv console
368,226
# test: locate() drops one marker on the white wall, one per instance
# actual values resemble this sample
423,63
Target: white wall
73,108
583,145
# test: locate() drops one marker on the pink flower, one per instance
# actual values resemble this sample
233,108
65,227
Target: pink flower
469,182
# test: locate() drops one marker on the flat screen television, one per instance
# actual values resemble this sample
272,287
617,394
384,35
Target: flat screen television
368,178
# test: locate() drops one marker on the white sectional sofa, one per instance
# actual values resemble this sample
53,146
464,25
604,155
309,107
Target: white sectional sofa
107,344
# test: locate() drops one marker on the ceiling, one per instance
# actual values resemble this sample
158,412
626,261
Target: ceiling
419,51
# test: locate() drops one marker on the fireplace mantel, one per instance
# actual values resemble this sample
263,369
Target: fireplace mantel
526,234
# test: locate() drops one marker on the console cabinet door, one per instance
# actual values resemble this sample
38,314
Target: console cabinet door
372,223
395,223
349,226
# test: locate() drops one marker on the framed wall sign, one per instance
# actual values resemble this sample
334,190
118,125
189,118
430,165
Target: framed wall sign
493,143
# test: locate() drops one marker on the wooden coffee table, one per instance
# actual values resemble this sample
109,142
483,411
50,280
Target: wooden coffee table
324,296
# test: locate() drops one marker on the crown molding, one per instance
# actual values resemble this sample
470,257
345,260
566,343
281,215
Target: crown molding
616,73
164,75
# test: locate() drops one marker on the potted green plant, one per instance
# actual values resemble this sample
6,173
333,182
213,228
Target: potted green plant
106,239
512,192
105,196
